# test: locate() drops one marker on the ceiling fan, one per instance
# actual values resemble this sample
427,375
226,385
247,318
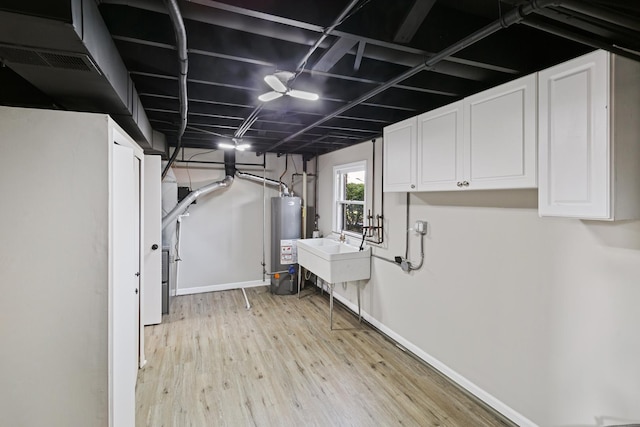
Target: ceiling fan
278,82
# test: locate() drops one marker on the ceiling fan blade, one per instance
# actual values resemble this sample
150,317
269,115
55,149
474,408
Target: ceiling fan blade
275,83
301,94
269,96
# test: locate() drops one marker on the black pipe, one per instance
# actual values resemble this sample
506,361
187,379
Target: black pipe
602,14
542,25
230,162
205,162
181,47
514,16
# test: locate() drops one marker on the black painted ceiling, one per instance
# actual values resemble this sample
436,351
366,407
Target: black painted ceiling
234,44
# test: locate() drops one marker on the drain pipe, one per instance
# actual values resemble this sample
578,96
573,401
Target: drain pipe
181,46
284,190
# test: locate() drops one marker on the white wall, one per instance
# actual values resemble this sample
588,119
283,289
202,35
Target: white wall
53,268
538,315
221,239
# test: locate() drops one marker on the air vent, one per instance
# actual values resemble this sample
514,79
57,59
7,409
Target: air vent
45,58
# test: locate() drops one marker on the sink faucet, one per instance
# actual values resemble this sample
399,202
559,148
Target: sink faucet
342,237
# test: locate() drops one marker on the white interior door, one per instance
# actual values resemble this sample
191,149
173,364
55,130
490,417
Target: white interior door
152,247
125,308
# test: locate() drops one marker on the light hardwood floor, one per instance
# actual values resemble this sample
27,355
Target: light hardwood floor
213,363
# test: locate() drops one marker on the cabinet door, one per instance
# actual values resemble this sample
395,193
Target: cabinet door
440,148
574,138
399,168
500,136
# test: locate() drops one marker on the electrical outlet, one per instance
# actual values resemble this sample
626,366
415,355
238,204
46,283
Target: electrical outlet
420,227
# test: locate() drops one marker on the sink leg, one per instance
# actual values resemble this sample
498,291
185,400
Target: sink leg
359,311
331,306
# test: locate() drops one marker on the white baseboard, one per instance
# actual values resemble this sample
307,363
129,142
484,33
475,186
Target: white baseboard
478,392
221,287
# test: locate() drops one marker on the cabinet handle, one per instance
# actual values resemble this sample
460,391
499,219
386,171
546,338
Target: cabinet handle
413,186
459,184
465,183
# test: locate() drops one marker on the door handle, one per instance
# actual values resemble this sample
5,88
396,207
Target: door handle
154,247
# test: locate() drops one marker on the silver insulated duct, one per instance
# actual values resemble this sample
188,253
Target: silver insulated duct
64,49
192,197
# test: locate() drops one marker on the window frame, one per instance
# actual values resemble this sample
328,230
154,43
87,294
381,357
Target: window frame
339,171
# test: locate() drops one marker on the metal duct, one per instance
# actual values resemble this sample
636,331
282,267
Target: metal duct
181,45
72,59
272,182
193,196
229,168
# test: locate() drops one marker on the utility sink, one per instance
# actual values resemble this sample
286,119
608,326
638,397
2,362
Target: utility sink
334,261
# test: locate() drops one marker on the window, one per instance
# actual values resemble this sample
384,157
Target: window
350,197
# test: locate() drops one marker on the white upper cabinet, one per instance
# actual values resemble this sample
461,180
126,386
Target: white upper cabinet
500,137
440,151
589,138
486,141
399,166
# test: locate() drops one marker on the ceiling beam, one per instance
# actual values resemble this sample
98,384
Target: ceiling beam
592,26
210,83
358,60
414,19
603,14
332,55
212,54
512,17
570,34
276,27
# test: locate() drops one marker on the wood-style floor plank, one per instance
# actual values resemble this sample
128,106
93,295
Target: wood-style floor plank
214,363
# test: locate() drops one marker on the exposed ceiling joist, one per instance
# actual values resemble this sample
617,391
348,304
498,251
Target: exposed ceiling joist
414,19
332,55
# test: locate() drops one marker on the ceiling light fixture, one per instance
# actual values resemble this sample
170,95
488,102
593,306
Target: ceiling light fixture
235,145
277,82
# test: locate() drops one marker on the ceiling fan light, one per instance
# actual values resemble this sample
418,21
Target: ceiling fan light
301,94
275,83
226,146
269,96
